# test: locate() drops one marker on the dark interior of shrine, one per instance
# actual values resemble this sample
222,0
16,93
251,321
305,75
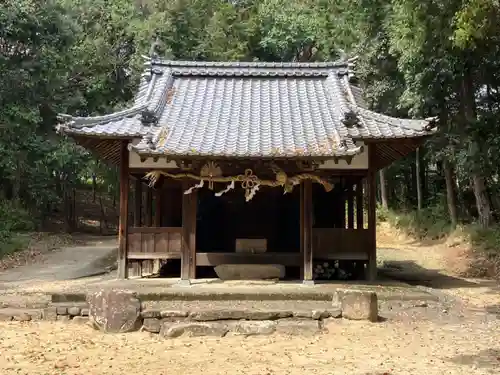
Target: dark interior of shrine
270,215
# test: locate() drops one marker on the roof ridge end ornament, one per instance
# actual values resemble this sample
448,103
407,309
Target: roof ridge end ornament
155,44
351,119
154,56
149,141
149,118
432,123
349,63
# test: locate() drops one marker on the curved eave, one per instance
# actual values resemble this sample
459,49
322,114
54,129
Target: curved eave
87,133
145,151
148,106
373,125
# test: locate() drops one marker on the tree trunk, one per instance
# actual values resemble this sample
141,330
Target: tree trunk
383,190
478,181
482,200
450,192
94,187
418,180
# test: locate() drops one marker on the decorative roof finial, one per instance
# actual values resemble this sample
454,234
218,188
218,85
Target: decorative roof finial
351,66
153,50
342,55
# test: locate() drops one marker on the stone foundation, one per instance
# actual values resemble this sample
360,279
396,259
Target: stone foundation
65,313
220,322
121,311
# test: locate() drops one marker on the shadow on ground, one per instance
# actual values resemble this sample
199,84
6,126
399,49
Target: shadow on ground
495,310
489,358
410,272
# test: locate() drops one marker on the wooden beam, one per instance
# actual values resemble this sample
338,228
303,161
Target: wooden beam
123,225
149,256
372,222
189,208
307,243
293,259
133,230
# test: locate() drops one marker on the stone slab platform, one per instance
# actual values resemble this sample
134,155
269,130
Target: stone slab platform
216,290
206,290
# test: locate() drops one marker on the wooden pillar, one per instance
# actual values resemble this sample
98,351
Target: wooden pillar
137,202
188,255
350,205
372,222
359,205
306,224
123,225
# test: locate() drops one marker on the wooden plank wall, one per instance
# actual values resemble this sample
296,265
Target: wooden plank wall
349,237
150,243
149,246
339,244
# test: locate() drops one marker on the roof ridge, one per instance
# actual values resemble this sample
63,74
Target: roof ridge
245,64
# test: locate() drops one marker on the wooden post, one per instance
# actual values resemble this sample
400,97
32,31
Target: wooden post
123,225
306,213
350,205
359,205
137,202
188,256
372,222
301,228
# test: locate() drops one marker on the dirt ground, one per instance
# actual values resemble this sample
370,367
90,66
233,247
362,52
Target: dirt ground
458,335
348,348
436,265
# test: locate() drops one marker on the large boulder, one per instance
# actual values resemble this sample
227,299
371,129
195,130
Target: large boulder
250,271
115,311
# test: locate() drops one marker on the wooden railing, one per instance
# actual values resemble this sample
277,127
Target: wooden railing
148,245
339,243
154,242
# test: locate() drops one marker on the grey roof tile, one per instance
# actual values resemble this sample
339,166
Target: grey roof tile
245,110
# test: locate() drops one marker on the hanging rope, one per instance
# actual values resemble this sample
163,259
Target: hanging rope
248,181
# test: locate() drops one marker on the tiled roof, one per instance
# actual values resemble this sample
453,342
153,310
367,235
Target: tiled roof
246,110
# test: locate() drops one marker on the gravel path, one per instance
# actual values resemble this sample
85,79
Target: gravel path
67,263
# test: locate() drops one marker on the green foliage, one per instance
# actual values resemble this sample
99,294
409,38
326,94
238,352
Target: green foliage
416,59
14,220
430,223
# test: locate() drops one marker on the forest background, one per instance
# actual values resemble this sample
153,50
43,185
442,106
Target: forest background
415,59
